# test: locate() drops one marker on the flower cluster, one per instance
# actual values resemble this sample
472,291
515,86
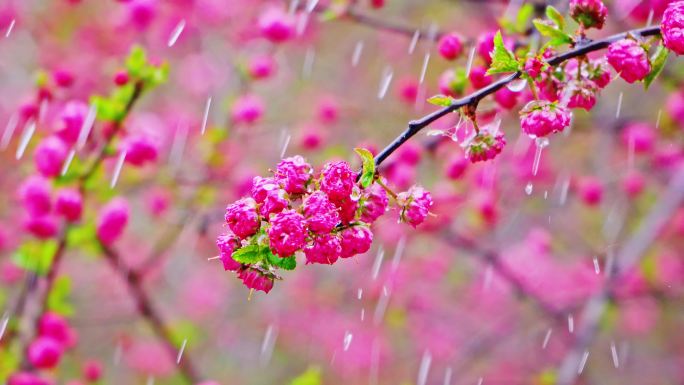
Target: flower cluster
324,216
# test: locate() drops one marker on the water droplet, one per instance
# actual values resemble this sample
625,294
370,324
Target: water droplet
619,106
424,368
426,60
311,5
3,324
469,65
180,351
387,74
356,55
86,127
117,169
176,33
267,344
347,340
571,324
540,143
547,337
613,352
205,118
414,41
378,262
517,85
9,29
9,131
597,268
528,188
25,139
67,162
359,293
583,362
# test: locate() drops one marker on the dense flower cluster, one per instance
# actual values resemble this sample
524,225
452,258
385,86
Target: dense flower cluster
324,216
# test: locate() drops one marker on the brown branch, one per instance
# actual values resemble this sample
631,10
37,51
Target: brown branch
149,312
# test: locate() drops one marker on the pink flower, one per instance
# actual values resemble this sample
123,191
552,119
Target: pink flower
49,156
72,116
140,149
541,118
261,67
324,249
485,45
672,27
355,240
373,203
582,94
506,98
415,203
456,166
275,202
287,233
92,371
69,204
450,46
35,195
589,13
293,174
409,153
276,25
639,137
142,12
255,279
247,109
242,217
227,244
328,110
533,66
42,227
478,77
599,72
633,184
590,189
261,187
337,180
63,78
321,215
44,353
483,146
121,78
112,220
348,209
54,326
629,59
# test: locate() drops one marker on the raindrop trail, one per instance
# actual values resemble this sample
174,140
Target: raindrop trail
205,119
86,127
311,5
649,20
176,33
571,324
347,340
613,352
3,325
619,106
25,139
178,145
309,58
547,337
657,124
471,57
398,252
597,268
378,262
447,376
387,74
10,28
285,145
9,131
426,61
356,55
414,41
583,362
424,368
117,169
67,162
267,344
180,351
359,294
480,381
540,144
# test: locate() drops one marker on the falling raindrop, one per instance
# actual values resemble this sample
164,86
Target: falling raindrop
414,41
308,62
378,262
571,324
546,194
517,85
302,23
528,188
657,124
363,314
67,162
347,340
356,55
178,145
469,64
613,352
424,368
583,362
387,74
311,5
565,186
268,344
547,337
294,4
10,28
286,143
176,33
86,127
117,169
447,376
3,324
359,294
180,351
398,252
597,268
619,106
205,118
649,20
423,70
540,144
25,139
9,131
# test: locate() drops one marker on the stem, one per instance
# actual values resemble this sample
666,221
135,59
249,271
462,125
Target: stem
148,311
416,125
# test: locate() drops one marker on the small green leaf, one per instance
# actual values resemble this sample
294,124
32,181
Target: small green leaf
58,298
658,61
311,376
136,61
441,100
503,60
555,16
249,254
368,173
36,256
557,36
523,17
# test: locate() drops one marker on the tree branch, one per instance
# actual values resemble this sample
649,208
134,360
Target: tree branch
473,99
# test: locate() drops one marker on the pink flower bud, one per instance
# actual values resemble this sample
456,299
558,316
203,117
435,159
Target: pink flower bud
121,78
227,244
276,25
140,149
415,203
44,353
478,77
72,116
35,195
49,156
242,217
42,227
247,109
590,190
112,220
69,204
450,46
261,67
63,78
92,371
589,13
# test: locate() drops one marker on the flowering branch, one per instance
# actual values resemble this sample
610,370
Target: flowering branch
583,48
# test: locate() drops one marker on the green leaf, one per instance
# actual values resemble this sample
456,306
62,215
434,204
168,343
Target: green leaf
658,61
311,376
36,256
555,16
249,254
136,61
503,60
368,173
441,100
84,238
58,298
523,17
557,36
